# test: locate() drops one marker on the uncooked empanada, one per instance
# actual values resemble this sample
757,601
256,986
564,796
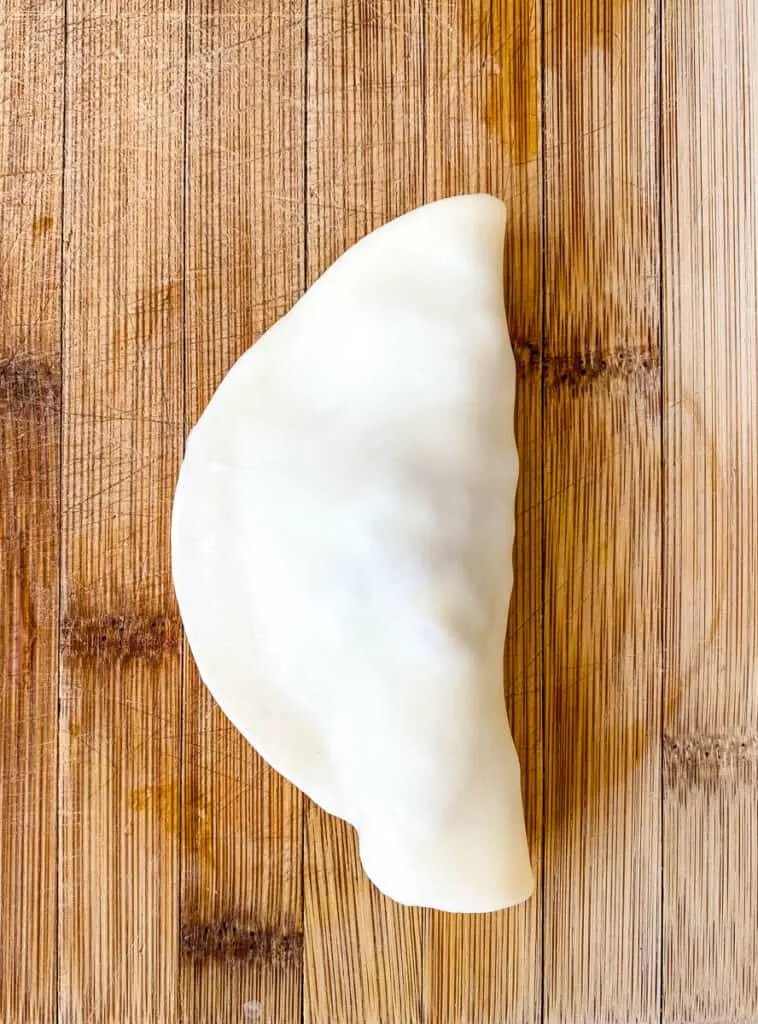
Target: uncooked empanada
341,537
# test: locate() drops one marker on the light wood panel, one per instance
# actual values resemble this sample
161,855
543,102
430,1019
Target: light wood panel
122,437
364,165
242,823
31,150
710,294
602,513
483,134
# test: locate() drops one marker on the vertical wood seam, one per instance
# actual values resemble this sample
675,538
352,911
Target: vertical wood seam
61,403
303,286
543,545
424,114
183,643
661,501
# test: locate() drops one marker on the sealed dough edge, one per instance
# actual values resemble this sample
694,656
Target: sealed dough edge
341,553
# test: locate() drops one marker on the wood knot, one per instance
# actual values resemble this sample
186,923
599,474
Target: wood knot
527,353
707,760
28,385
241,940
579,370
119,635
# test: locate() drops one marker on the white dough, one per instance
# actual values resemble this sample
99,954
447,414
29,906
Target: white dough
342,535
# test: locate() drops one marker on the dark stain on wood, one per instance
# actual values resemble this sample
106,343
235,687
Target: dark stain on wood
164,800
197,827
119,635
243,941
190,820
28,385
42,225
510,73
19,627
151,315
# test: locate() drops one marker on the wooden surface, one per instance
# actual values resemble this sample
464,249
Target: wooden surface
171,177
601,460
710,452
241,939
31,91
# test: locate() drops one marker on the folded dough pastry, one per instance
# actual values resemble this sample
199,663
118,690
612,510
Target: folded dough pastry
341,537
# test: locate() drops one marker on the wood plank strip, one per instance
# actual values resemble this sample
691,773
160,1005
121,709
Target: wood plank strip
31,152
602,513
710,154
242,822
122,437
364,166
483,134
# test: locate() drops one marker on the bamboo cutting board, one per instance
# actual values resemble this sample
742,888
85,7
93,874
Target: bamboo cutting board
172,176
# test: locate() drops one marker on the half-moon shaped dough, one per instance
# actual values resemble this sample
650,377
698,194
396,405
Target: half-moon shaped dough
341,537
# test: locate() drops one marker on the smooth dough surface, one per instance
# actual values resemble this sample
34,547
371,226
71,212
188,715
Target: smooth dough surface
341,545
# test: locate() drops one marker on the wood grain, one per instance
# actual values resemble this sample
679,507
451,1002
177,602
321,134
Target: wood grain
225,153
602,512
710,292
122,437
242,823
31,93
364,165
483,134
